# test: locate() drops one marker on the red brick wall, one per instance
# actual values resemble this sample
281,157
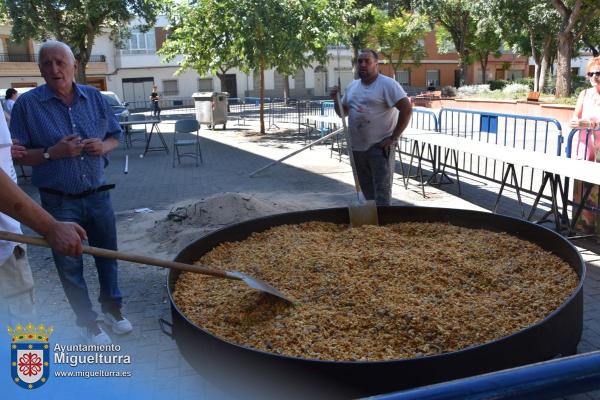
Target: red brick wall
447,64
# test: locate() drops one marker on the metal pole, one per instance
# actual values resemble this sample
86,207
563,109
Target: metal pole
296,152
545,380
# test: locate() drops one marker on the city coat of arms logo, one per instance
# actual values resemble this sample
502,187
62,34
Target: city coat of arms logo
30,355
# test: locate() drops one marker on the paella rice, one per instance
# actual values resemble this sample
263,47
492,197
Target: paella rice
375,292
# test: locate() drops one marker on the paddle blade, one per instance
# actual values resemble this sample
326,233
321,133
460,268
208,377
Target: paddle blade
363,214
257,284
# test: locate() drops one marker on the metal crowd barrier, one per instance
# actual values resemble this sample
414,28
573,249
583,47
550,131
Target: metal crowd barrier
569,154
546,380
511,130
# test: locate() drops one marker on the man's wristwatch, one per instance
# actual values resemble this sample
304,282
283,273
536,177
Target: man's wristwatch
46,154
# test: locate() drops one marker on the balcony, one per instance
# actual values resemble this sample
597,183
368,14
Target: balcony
25,65
5,57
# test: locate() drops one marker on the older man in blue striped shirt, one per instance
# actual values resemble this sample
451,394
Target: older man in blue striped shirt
67,130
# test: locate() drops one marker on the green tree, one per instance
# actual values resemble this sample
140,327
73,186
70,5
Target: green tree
77,22
486,42
529,27
454,16
205,36
3,13
216,35
399,38
591,39
359,20
576,17
306,31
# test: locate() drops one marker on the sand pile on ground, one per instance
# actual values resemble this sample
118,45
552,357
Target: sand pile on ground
186,223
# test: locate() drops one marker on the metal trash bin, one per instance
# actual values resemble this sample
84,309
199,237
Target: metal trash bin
211,108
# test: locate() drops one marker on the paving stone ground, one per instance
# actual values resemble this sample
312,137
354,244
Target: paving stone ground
159,369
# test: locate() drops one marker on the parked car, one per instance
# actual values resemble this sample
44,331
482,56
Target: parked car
119,108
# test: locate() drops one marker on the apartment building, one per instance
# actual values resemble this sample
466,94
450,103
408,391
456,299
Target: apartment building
132,70
440,70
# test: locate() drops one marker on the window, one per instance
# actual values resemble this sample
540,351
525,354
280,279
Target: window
140,43
432,77
205,85
403,77
446,46
171,88
515,74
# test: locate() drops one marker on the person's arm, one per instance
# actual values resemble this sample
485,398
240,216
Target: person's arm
576,121
405,108
100,147
403,105
68,146
334,93
64,237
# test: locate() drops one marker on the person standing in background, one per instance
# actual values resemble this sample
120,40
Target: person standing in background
586,117
155,98
11,97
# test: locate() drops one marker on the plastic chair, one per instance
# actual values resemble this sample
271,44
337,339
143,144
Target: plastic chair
187,126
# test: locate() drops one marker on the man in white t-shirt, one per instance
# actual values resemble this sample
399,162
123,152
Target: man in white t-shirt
378,112
16,281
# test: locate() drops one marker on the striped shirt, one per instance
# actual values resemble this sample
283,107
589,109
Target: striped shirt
39,119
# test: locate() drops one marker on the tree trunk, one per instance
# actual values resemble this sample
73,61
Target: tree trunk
80,76
462,66
354,60
544,64
536,57
484,62
83,53
536,77
286,88
262,95
563,71
463,56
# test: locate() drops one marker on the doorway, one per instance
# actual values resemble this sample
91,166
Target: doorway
136,91
230,85
320,81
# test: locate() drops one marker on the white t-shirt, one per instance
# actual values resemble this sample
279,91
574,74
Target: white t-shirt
7,223
9,105
372,116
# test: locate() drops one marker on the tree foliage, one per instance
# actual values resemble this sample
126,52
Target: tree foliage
456,19
576,19
486,42
76,22
358,23
528,27
213,36
400,38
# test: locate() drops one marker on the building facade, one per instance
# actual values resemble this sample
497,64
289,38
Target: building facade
132,71
438,70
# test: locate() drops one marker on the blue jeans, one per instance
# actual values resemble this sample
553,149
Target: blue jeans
95,214
375,169
155,109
